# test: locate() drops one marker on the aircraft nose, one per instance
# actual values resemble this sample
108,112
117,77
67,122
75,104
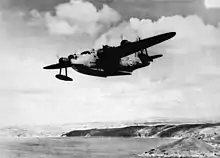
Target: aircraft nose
75,61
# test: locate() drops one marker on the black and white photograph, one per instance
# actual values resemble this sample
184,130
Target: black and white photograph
109,78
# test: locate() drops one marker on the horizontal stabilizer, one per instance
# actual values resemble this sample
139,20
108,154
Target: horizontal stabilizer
155,56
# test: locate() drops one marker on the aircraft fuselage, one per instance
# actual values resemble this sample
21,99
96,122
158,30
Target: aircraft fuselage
91,64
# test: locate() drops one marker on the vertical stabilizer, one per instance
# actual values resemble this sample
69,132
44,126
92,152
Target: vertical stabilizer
143,55
145,58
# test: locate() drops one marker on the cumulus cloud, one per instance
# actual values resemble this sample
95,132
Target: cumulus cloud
212,3
190,61
193,34
79,17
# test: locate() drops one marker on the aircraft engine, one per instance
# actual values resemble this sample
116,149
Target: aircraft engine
123,42
72,56
63,60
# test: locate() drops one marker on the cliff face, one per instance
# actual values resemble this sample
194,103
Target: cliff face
130,131
201,131
209,132
195,140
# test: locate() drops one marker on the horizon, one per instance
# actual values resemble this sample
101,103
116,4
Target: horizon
152,121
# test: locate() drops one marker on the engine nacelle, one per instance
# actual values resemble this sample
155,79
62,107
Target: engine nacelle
123,42
63,60
72,56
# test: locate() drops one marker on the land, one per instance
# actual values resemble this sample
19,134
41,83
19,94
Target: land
195,140
185,139
207,131
185,147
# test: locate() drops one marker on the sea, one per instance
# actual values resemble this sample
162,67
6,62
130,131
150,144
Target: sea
77,147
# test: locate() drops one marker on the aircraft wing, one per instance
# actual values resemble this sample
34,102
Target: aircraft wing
56,66
130,48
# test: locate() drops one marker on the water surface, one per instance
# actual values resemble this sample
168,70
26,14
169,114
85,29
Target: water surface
78,147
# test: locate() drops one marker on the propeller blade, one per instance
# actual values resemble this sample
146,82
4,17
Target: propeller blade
122,37
138,38
58,57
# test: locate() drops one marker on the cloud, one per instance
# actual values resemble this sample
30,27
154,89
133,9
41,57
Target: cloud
212,3
80,17
184,83
26,90
192,34
155,9
190,66
40,5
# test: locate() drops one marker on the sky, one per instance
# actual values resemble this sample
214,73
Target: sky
182,84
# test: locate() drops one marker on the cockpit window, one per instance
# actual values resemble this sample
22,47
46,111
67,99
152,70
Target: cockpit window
85,52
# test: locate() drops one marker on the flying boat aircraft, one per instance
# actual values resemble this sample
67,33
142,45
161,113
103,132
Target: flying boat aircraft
111,60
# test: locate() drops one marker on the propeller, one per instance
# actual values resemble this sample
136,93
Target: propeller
57,56
122,37
138,38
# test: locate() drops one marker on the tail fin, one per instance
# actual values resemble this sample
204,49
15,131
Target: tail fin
145,58
142,52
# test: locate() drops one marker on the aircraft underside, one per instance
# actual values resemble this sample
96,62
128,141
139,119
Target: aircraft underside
100,72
